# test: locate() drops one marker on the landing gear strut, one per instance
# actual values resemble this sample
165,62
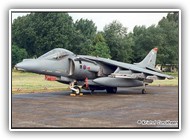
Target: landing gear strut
75,89
143,91
92,91
144,88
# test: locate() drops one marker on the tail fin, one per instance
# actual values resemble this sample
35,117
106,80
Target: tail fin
150,60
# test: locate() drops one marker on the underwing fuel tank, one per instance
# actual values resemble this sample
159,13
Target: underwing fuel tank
117,82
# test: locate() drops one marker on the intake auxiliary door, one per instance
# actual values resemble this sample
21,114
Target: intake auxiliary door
71,67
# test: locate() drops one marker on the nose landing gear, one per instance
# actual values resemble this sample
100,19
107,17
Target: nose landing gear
76,90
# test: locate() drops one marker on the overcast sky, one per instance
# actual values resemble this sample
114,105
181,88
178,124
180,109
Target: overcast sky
128,20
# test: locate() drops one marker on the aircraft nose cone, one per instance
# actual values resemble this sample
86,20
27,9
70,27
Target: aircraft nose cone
21,66
28,65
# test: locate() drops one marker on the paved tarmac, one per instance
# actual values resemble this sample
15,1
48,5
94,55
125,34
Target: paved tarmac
126,109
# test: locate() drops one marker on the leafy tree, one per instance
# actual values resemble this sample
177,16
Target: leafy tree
99,38
99,47
18,54
144,40
129,44
115,35
169,28
100,50
86,27
85,31
41,32
164,36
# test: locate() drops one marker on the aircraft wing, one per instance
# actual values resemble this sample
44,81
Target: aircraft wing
133,68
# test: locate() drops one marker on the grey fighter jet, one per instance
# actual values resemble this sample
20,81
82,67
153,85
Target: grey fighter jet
94,73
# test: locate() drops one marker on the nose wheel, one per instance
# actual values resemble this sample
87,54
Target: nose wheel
76,90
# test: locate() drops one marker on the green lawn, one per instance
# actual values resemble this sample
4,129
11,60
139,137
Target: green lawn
172,82
23,82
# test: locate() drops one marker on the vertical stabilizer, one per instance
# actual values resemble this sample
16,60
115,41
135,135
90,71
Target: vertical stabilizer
150,60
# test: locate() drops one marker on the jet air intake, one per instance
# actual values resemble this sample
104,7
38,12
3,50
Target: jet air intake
81,69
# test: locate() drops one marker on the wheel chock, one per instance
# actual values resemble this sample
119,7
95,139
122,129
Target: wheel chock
72,94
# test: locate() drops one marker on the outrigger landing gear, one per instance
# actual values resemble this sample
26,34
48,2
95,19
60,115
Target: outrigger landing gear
144,89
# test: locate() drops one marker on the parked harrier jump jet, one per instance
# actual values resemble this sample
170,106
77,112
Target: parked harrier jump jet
94,73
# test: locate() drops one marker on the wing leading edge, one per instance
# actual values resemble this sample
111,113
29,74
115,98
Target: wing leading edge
141,67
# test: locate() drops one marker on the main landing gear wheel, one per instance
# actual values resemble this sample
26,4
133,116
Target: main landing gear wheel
92,91
143,91
111,89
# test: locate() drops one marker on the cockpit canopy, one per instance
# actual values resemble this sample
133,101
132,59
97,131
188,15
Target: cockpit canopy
56,53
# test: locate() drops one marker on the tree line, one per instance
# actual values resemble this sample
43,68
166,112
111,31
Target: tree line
37,33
